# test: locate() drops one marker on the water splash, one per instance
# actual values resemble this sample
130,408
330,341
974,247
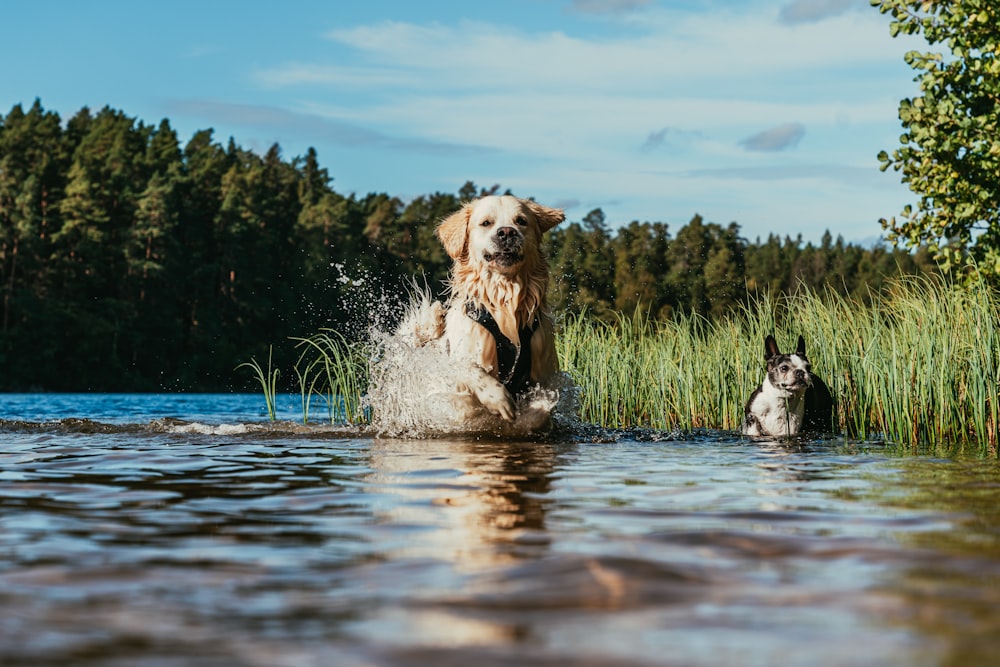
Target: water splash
366,300
413,390
168,425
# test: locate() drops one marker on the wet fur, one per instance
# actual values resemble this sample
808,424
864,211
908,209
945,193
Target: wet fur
507,276
791,399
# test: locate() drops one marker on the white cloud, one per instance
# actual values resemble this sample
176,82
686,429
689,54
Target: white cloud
654,112
554,94
666,48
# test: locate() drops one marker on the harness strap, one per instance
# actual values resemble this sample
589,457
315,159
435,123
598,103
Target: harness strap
513,361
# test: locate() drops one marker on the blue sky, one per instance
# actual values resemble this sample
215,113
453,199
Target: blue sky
768,113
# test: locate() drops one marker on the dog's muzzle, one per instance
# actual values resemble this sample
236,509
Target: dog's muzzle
799,380
508,247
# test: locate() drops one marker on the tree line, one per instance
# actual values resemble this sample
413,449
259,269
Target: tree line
131,261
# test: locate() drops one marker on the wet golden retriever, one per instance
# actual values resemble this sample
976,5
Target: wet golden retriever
495,325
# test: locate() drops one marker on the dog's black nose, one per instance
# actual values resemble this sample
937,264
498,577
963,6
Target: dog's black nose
507,233
800,374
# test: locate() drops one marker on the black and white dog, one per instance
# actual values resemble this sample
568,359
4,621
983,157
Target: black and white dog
791,399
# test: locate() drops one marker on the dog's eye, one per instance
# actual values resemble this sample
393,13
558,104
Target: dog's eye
521,221
486,223
784,368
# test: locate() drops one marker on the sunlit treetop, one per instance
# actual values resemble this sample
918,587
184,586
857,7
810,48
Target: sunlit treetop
949,152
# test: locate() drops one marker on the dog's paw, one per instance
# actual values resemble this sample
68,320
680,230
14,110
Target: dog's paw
495,398
489,393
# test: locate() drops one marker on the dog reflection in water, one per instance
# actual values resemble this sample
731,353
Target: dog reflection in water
476,509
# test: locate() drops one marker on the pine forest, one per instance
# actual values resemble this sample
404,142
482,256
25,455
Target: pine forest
131,260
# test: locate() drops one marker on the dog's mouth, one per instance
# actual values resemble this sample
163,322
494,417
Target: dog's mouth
796,384
504,258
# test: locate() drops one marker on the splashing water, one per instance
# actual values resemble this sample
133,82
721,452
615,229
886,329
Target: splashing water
366,301
413,392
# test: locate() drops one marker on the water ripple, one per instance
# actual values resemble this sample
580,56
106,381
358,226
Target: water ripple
163,540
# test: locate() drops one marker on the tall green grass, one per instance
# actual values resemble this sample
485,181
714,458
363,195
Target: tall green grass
918,367
335,369
267,378
329,367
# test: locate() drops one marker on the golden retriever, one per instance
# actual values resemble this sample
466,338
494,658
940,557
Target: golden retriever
495,326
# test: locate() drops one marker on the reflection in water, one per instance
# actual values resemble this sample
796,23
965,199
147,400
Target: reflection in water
248,544
485,500
954,593
479,506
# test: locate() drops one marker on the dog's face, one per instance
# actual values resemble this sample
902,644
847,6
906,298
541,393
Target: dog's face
789,372
500,233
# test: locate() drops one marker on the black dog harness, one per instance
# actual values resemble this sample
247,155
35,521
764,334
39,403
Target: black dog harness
513,362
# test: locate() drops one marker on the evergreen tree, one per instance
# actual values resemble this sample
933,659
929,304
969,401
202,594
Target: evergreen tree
686,258
144,265
564,248
724,270
597,265
32,178
426,257
582,266
639,252
154,344
765,266
31,181
321,232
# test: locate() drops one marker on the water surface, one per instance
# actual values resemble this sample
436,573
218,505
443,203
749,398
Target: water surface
186,530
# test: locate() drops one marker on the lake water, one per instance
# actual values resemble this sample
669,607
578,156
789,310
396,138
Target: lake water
163,530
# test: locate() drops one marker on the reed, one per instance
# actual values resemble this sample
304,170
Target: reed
309,373
335,369
268,380
918,367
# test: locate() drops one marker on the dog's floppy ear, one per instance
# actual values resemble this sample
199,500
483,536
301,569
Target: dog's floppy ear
770,347
547,217
800,347
454,232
